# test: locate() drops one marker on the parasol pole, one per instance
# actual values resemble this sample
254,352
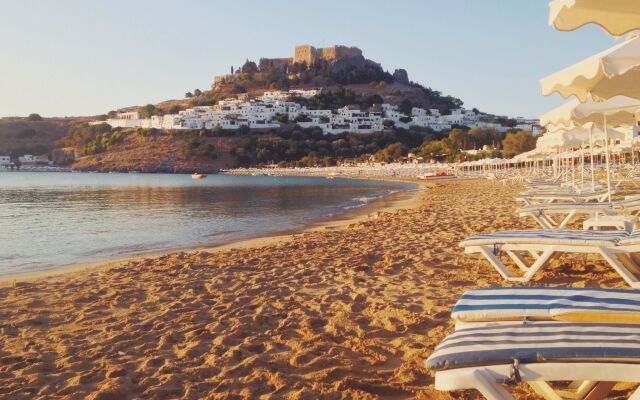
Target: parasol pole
606,144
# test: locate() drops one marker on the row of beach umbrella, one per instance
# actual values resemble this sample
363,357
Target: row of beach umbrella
606,86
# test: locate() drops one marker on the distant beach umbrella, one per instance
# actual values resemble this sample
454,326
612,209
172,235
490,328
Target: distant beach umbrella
616,111
619,110
559,117
617,17
613,72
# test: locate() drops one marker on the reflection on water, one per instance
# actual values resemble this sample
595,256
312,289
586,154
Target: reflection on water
53,219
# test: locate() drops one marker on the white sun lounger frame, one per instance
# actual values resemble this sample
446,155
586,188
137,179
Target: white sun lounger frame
543,218
548,198
618,257
591,381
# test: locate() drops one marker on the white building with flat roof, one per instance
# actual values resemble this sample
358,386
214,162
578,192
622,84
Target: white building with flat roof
265,111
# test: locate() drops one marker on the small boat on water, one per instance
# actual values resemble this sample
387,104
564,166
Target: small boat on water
198,176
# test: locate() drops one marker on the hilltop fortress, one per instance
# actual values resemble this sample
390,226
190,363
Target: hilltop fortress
310,55
338,57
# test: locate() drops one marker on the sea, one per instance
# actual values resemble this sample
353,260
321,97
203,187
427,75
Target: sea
54,219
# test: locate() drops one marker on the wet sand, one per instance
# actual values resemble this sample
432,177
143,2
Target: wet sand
344,312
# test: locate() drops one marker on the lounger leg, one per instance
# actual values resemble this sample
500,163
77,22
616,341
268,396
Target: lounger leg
635,395
490,388
600,391
495,261
551,223
544,258
629,263
577,390
584,388
566,220
518,260
534,254
543,389
542,221
626,275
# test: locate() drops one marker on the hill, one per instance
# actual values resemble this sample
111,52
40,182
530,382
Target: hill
333,69
346,79
33,135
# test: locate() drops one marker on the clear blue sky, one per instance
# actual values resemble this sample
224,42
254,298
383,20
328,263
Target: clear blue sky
82,57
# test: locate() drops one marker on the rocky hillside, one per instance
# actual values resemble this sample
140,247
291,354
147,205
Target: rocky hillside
145,151
346,79
356,73
33,135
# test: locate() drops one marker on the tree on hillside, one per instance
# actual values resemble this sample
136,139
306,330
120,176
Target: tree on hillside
148,110
392,152
197,92
249,67
459,138
518,142
239,89
373,99
485,137
388,123
34,117
434,150
405,106
188,95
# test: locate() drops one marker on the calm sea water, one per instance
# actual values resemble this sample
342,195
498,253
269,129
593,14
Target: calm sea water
49,220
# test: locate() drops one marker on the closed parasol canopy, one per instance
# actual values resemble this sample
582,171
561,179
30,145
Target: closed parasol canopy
614,16
613,72
620,110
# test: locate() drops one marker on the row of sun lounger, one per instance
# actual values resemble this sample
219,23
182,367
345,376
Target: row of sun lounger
565,343
546,214
506,336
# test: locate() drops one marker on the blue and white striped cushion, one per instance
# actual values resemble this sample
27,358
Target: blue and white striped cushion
633,239
538,343
544,303
548,236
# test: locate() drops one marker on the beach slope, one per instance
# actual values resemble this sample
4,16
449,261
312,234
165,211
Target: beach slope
350,312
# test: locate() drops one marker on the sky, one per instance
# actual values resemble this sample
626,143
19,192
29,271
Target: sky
87,57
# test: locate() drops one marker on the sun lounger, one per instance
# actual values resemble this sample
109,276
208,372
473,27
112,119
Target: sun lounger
559,196
542,245
490,358
500,305
544,214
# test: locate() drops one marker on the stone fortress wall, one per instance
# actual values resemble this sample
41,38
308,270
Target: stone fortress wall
309,54
303,53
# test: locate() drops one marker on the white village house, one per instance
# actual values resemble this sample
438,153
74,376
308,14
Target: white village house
263,112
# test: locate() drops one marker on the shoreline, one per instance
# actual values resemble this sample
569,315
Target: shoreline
345,312
404,199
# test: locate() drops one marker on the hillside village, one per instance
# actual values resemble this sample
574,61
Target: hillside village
274,107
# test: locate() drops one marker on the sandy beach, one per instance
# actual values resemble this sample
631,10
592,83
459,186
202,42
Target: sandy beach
339,312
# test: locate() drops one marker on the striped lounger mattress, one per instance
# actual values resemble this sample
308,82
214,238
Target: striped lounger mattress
538,343
548,303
